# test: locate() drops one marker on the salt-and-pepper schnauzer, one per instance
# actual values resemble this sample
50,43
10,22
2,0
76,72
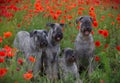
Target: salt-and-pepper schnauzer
50,55
31,44
67,65
84,44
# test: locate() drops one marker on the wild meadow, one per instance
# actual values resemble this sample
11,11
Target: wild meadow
28,15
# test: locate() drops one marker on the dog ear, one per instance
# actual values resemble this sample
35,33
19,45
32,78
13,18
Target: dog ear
45,32
62,24
79,19
32,33
50,25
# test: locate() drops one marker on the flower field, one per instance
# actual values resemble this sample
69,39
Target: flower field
17,15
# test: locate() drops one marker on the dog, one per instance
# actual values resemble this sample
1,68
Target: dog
50,55
68,66
31,44
84,44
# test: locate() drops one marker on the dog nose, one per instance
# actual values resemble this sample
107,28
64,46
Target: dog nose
44,43
87,27
73,56
59,34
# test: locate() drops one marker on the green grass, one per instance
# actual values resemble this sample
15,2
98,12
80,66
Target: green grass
108,68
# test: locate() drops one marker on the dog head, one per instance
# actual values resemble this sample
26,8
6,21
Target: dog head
85,24
56,31
40,38
69,55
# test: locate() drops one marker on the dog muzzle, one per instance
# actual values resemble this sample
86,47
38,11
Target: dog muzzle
43,43
58,36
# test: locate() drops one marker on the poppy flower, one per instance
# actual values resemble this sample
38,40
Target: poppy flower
105,33
78,27
69,17
3,71
102,17
20,61
7,34
106,46
97,43
92,14
102,81
17,69
9,51
100,31
16,82
97,58
30,71
92,32
0,20
0,39
91,8
95,24
55,16
62,21
27,76
18,25
2,60
2,53
118,48
79,12
112,23
32,59
81,8
118,18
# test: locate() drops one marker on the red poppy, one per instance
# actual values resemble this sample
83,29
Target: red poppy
97,43
95,24
106,46
100,31
28,76
55,16
103,17
58,12
2,53
20,61
0,20
112,23
30,71
118,18
0,39
18,25
92,9
78,27
2,60
3,71
9,51
118,48
105,33
69,17
32,59
79,12
17,69
97,58
81,8
92,32
62,21
92,14
7,34
102,81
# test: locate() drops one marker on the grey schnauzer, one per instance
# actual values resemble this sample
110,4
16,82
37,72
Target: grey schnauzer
84,44
50,55
31,44
68,66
